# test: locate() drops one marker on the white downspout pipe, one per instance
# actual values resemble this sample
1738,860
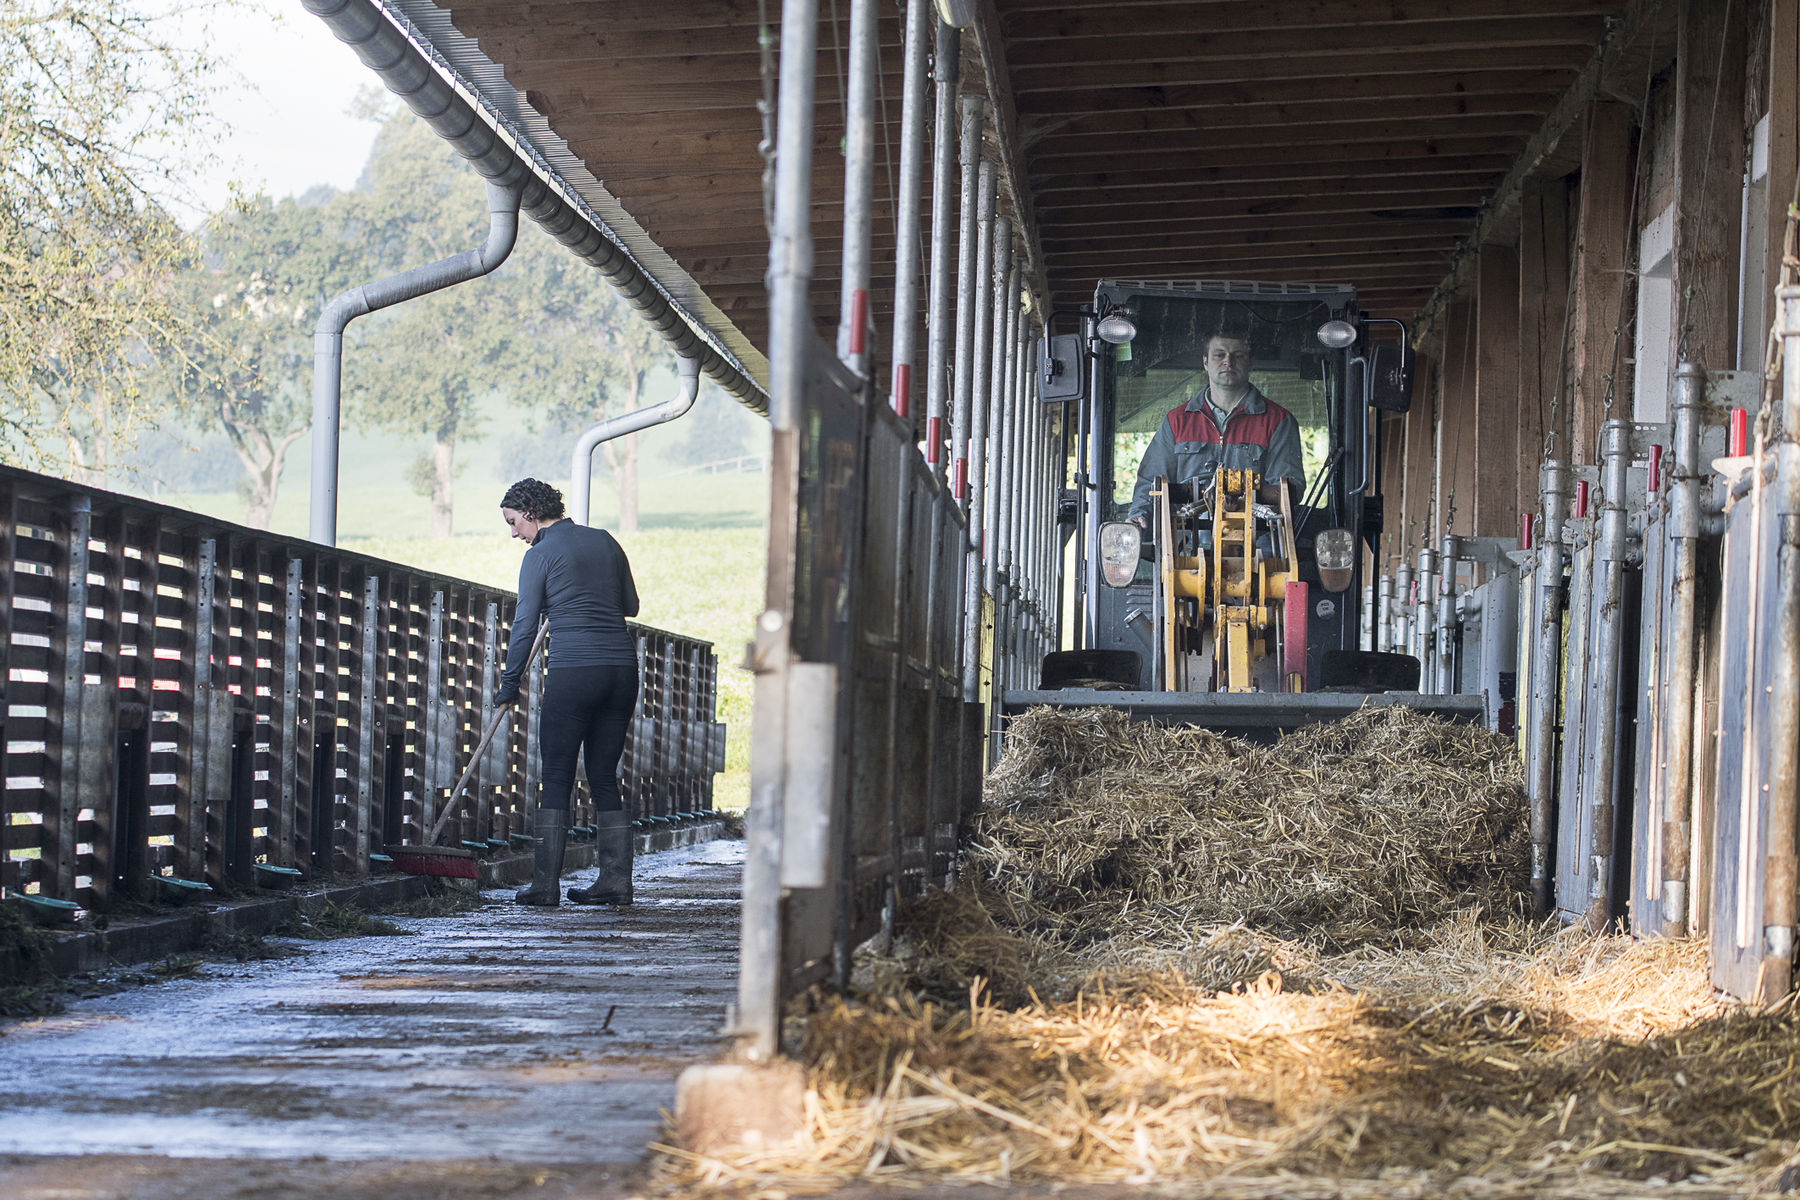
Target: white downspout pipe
328,341
581,463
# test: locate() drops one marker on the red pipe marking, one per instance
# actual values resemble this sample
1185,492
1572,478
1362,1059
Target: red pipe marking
1581,498
1655,469
902,399
1526,521
1740,432
859,320
934,439
960,479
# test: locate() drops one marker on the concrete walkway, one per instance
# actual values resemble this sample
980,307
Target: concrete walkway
510,1035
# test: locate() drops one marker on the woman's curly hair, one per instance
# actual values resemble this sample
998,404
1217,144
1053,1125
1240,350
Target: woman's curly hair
535,498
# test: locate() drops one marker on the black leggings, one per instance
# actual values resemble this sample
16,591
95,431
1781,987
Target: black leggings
586,710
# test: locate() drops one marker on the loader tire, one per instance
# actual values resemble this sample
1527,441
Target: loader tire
1368,671
1111,670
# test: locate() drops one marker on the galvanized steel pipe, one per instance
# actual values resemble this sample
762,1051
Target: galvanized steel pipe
1425,618
943,210
1447,621
906,215
968,250
761,960
1546,672
859,187
1615,458
1779,884
328,340
1678,768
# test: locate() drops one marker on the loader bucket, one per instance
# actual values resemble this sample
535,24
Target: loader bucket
1257,716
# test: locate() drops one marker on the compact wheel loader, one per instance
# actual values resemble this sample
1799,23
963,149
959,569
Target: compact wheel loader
1204,593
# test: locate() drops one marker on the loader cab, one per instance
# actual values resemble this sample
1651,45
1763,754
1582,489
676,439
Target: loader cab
1142,352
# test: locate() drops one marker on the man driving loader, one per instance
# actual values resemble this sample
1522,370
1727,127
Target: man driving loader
1230,423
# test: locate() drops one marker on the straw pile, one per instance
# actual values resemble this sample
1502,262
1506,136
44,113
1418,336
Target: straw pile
1176,958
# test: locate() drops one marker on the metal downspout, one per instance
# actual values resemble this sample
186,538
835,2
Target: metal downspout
943,211
859,188
328,341
581,462
1779,883
1684,527
1615,455
906,216
385,50
1546,675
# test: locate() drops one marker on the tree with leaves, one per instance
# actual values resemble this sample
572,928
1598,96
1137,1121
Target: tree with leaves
263,273
423,366
102,112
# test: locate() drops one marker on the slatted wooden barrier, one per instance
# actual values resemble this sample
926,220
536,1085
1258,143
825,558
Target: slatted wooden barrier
187,698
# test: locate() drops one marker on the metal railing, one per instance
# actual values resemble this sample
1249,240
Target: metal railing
187,698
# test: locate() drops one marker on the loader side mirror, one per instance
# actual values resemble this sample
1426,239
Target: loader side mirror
1061,375
1390,377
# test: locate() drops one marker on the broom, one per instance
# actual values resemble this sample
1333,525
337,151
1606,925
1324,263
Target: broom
455,862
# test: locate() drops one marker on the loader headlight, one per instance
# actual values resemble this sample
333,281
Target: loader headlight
1120,542
1335,551
1116,328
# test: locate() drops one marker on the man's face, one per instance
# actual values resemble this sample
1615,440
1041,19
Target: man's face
1228,362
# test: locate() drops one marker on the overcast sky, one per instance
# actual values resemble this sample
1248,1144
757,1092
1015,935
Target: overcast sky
288,110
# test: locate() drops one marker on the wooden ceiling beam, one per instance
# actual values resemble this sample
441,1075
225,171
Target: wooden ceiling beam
1316,68
1049,20
1405,204
600,42
1130,169
1446,88
570,17
1426,136
1279,195
1285,113
1204,42
1300,240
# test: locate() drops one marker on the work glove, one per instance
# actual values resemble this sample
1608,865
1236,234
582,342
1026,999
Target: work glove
508,694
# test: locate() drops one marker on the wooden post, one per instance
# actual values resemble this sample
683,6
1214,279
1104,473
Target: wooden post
1601,278
1455,425
1543,313
1497,497
1709,167
1419,495
1784,131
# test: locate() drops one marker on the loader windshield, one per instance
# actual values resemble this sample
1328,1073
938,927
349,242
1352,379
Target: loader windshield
1164,367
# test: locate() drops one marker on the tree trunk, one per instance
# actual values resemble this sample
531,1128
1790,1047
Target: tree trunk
443,482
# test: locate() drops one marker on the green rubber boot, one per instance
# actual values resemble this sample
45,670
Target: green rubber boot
552,838
612,854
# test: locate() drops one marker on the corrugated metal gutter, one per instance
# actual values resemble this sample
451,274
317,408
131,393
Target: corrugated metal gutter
408,44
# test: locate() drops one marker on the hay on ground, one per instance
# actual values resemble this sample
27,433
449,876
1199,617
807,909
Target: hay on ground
1172,957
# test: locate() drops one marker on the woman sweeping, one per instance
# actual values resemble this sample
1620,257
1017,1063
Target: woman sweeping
580,581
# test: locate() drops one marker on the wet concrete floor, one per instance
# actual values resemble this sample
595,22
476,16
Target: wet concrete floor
525,1038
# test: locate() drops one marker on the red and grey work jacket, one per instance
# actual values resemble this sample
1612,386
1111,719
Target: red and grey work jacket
1189,445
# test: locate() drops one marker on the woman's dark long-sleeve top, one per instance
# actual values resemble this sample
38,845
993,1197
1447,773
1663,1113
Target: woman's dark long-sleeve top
581,579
